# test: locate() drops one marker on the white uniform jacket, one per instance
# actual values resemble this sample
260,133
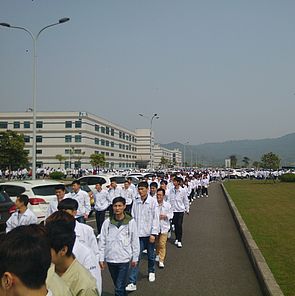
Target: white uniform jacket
83,200
101,200
118,245
146,215
112,193
86,236
86,257
179,200
128,194
18,219
165,209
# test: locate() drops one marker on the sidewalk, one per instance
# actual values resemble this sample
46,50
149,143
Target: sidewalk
213,260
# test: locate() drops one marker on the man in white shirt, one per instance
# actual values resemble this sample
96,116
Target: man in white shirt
23,215
113,192
146,215
119,245
83,200
180,204
128,194
60,192
101,203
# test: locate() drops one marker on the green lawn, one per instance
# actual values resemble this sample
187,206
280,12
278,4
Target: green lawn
269,212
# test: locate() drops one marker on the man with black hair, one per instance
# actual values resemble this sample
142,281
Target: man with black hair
23,215
25,259
153,189
83,200
60,192
84,232
146,215
60,228
119,245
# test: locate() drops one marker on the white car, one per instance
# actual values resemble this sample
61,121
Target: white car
40,193
105,180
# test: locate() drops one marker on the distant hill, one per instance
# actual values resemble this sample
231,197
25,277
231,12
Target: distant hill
215,153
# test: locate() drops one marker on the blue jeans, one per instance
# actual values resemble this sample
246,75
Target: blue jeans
144,244
119,274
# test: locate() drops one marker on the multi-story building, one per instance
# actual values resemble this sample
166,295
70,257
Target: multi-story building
77,135
170,157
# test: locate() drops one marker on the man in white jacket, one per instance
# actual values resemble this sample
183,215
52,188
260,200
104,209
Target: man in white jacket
119,245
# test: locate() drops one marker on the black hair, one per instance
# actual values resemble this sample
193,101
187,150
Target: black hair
154,184
143,184
60,187
163,182
60,228
161,189
178,179
25,252
68,204
76,182
129,178
119,199
23,198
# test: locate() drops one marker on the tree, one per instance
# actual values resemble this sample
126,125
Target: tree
256,164
270,161
233,161
97,160
60,158
164,162
246,161
12,153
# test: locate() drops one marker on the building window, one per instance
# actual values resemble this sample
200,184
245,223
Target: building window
107,143
96,141
107,154
96,152
112,144
16,124
103,129
27,139
96,127
112,132
120,135
39,124
102,142
27,124
78,124
39,139
78,151
107,130
68,138
3,124
38,151
68,124
102,152
77,164
112,154
78,138
67,151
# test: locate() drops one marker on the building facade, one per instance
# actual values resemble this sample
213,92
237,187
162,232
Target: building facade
77,135
164,157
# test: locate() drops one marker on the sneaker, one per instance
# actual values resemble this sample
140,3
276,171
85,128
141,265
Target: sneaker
98,236
144,251
157,259
130,287
179,245
173,227
176,242
161,264
152,277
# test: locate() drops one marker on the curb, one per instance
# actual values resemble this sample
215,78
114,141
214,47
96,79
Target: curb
266,279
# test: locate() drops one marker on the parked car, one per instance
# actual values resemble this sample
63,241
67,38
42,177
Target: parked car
7,207
40,193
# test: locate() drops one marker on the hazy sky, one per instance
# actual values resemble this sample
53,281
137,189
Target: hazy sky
214,70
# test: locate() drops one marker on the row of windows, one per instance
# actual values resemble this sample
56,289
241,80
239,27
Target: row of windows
68,138
127,156
17,124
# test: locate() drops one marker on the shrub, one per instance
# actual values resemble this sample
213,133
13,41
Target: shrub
287,177
56,175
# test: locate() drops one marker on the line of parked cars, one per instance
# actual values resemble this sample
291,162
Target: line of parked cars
42,192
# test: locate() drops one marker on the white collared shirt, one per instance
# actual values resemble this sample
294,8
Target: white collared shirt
101,200
178,200
83,200
18,219
146,215
128,194
165,209
113,193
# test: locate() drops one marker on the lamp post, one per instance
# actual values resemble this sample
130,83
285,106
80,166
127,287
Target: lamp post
184,149
35,39
155,116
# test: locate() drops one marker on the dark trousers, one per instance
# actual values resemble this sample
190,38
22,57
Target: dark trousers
81,219
199,190
144,245
177,221
119,274
128,208
204,190
99,216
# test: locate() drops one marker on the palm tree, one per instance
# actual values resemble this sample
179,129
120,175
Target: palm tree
60,158
233,161
246,161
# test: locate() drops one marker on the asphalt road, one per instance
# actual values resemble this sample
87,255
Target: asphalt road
212,262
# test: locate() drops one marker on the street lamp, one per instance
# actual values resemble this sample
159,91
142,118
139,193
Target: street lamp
35,39
184,149
155,116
